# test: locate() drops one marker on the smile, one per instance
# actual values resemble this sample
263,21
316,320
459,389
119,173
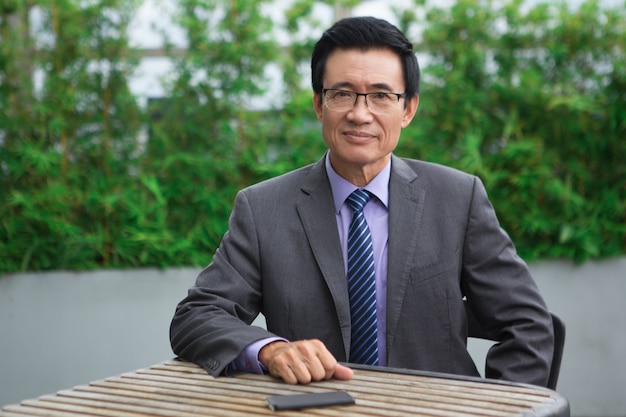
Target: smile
358,136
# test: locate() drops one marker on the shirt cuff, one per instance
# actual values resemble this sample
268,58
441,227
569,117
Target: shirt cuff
248,359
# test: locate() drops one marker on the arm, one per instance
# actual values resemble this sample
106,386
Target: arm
505,299
211,326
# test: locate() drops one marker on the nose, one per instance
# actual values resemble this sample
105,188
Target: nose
360,112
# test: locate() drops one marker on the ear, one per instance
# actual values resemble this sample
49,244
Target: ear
317,105
410,110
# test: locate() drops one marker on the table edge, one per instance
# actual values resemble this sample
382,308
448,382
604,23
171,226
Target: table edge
560,407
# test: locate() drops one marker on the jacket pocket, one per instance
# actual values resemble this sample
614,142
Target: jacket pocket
443,269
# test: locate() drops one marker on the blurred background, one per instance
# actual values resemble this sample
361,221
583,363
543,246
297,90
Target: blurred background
126,128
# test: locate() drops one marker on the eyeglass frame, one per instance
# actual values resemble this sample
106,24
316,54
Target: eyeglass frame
357,95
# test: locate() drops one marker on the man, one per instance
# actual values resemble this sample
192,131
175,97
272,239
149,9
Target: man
431,239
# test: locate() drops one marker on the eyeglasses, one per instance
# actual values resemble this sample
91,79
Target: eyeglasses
377,102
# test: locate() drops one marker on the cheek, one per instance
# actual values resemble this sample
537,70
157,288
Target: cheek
392,142
330,122
328,129
393,133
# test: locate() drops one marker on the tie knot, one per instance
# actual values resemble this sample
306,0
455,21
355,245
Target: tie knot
358,199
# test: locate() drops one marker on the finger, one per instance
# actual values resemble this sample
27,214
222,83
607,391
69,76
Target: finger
280,367
326,363
312,361
318,362
291,362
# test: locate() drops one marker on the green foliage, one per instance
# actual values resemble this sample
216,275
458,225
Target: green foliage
68,146
531,98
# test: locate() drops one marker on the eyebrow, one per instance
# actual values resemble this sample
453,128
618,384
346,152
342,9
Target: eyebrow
346,84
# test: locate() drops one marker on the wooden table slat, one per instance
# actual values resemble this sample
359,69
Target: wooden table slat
45,406
140,408
217,405
25,410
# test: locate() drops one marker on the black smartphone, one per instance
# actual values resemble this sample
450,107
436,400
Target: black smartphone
317,399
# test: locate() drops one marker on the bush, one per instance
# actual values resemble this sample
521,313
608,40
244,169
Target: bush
529,98
532,100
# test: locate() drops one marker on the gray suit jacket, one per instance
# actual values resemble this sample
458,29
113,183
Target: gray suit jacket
282,257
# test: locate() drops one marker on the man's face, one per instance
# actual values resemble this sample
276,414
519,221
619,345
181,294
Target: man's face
361,142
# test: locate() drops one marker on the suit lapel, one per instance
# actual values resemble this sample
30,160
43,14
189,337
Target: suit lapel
406,205
316,210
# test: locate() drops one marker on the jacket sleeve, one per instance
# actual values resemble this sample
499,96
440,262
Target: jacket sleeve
505,299
211,326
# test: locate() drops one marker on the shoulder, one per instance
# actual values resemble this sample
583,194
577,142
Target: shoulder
290,184
429,173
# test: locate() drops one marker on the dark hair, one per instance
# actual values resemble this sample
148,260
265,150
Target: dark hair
365,33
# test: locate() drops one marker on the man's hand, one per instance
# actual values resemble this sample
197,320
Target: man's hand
302,361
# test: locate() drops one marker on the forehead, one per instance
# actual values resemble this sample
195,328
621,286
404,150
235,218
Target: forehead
362,69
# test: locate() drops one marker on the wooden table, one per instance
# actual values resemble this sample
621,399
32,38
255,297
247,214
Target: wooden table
177,388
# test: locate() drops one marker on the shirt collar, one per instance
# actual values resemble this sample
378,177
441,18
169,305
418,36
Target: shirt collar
341,188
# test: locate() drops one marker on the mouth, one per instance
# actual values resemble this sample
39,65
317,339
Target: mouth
358,136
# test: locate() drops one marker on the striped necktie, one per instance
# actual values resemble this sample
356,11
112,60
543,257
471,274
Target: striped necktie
361,284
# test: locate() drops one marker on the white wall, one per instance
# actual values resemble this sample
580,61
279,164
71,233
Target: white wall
62,329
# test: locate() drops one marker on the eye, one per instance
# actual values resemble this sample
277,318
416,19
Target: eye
380,96
342,94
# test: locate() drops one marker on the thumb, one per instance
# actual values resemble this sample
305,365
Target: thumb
343,372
